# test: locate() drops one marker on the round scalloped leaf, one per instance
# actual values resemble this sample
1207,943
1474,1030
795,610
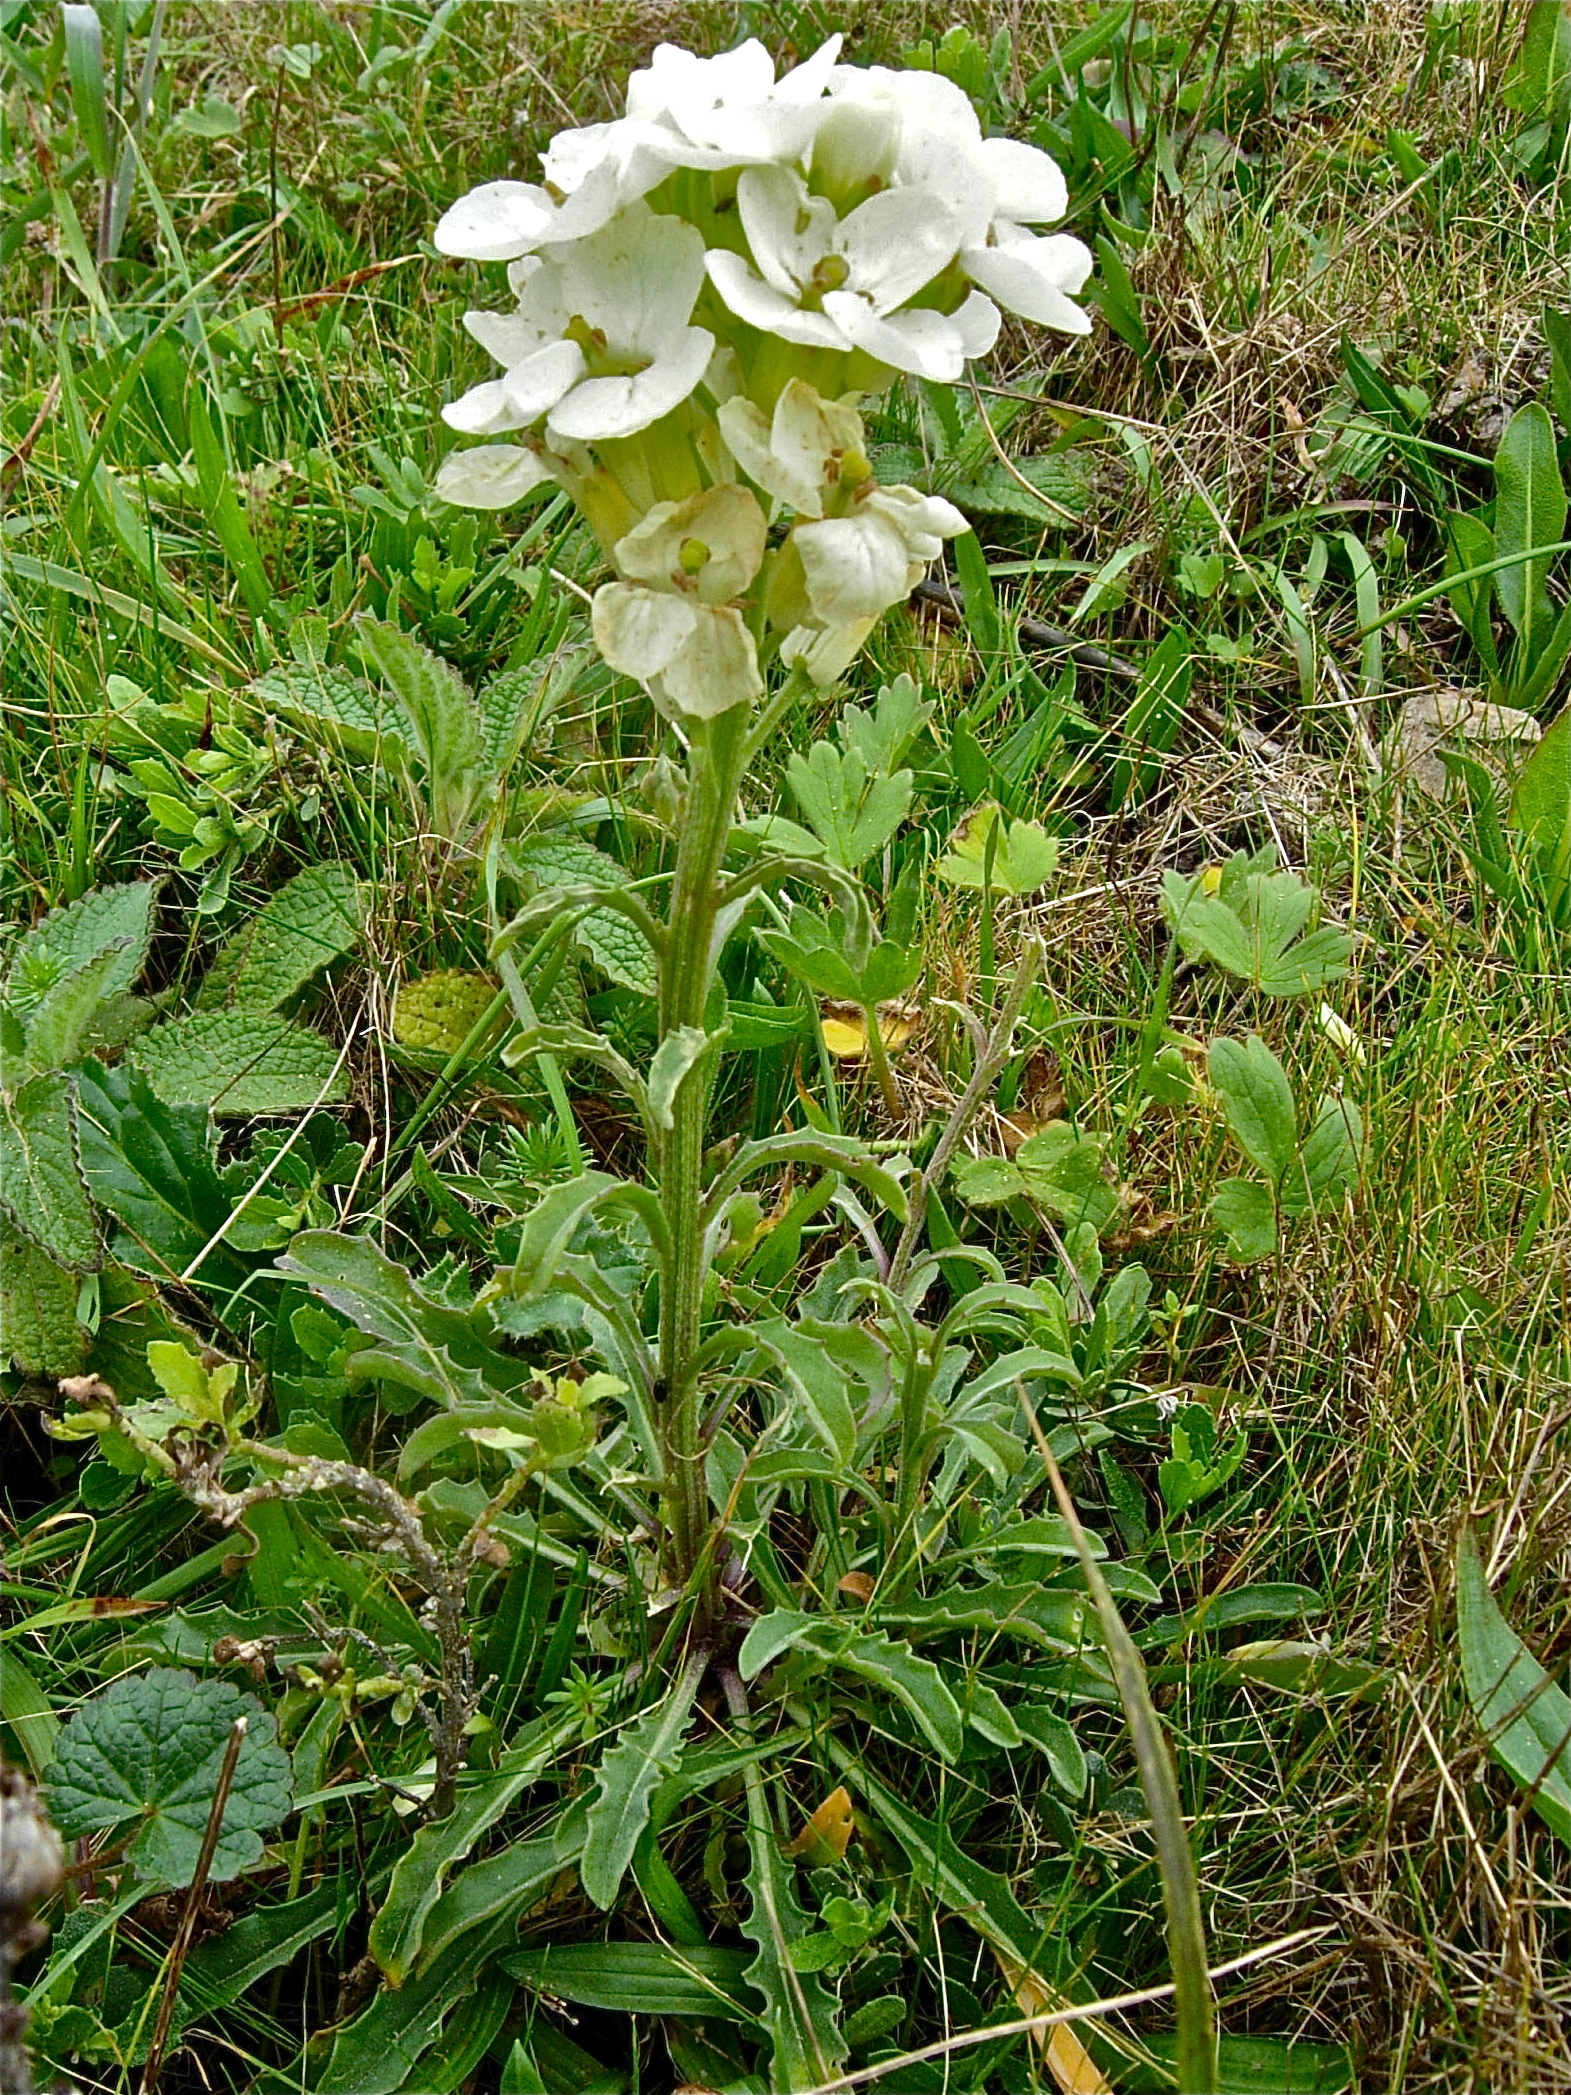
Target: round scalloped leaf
437,1013
146,1754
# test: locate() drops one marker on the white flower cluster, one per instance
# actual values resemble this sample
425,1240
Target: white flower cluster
706,289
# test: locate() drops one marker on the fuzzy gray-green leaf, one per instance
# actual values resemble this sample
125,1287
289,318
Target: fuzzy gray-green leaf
41,1183
240,1062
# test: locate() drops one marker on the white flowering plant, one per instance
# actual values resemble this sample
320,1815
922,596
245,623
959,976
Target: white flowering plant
706,293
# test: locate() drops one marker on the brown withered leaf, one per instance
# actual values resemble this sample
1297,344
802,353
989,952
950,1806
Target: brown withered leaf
858,1584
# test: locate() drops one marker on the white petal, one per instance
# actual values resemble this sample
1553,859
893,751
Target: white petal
942,167
1033,276
762,306
807,81
1027,183
716,669
509,337
856,566
854,148
541,380
978,320
484,411
572,155
927,343
639,630
608,407
491,476
495,223
746,431
636,279
591,205
926,101
895,243
825,652
923,521
788,231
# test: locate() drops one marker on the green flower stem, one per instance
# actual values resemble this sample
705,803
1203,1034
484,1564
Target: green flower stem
878,1055
716,763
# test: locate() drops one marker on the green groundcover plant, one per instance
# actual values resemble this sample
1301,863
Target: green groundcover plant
648,1598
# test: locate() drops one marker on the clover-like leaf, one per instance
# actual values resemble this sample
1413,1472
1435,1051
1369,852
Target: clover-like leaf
146,1754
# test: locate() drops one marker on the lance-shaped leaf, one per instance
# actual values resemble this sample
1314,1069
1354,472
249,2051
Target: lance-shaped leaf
440,718
1524,1715
41,1183
1530,511
647,1750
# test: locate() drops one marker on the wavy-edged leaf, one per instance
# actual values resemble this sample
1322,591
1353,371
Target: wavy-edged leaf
1524,1715
610,940
799,2012
145,1754
340,709
1055,1620
70,937
239,1062
915,1682
38,1327
444,1353
646,1751
62,1024
41,1182
421,1870
816,1382
311,920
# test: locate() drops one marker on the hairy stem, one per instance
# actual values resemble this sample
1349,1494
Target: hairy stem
714,774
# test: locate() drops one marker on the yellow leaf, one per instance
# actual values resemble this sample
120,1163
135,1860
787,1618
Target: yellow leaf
845,1029
845,1040
824,1838
1070,2064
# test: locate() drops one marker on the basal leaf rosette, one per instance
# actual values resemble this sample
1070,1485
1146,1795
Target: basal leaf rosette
705,290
